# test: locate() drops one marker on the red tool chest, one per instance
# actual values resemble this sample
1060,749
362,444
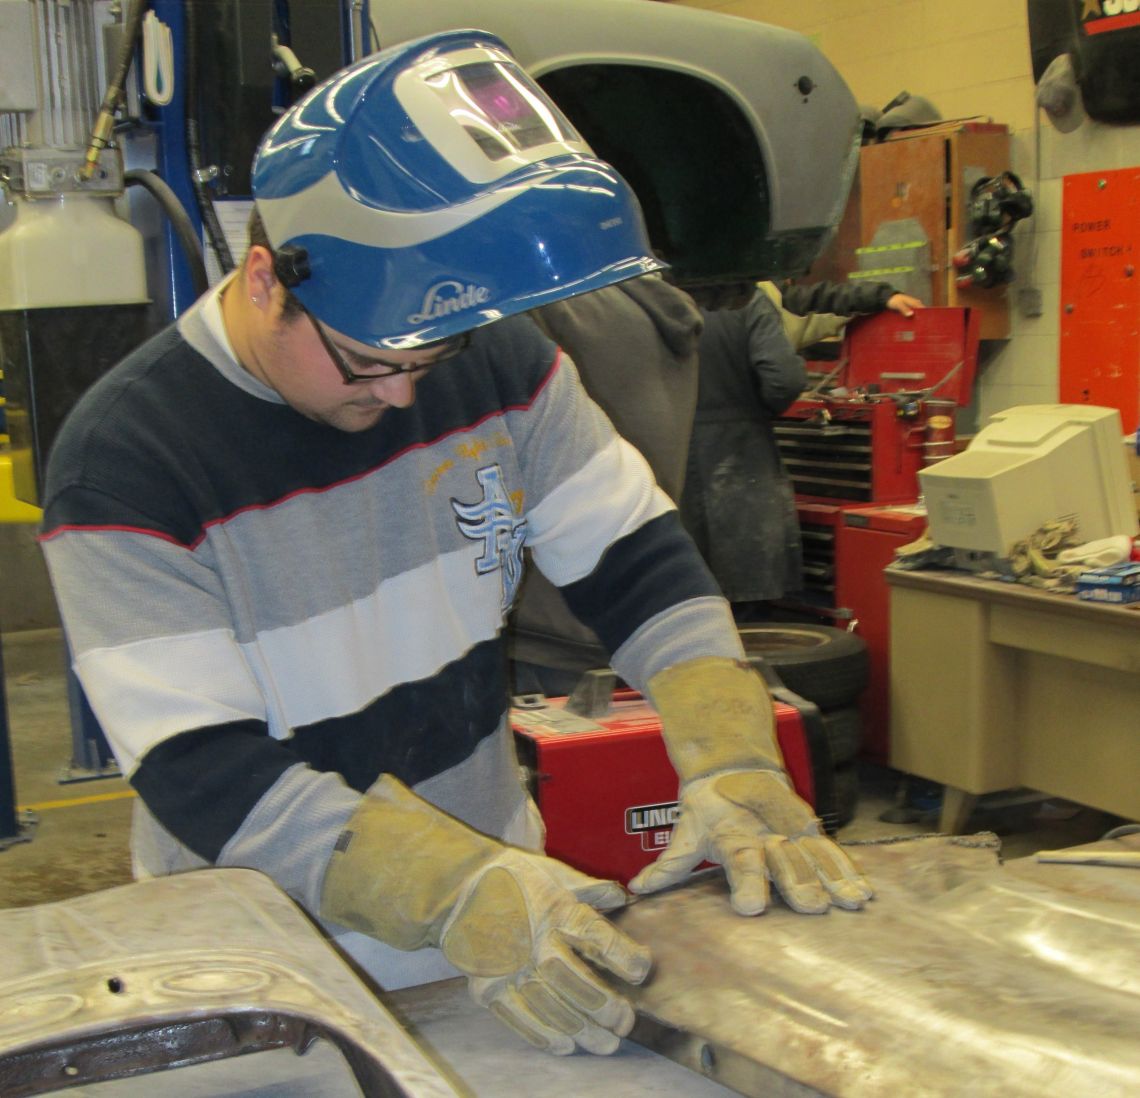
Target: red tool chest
863,438
865,543
853,452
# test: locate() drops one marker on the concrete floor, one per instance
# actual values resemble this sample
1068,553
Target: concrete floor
78,843
79,840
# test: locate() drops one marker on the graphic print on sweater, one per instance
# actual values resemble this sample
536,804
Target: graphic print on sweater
493,521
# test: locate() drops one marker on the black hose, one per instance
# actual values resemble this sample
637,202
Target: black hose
179,220
209,216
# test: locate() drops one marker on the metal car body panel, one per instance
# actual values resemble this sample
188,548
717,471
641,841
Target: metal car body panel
208,973
774,101
962,976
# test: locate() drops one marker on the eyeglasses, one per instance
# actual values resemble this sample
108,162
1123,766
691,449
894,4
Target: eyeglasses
444,349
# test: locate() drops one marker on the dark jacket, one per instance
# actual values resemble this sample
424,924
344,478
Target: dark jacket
738,502
635,346
841,298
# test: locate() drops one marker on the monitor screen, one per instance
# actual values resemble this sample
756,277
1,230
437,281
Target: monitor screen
1028,466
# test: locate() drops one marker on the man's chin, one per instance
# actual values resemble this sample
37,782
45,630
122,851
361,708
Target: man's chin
355,417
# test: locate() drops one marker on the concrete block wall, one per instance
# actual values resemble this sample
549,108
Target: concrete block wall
969,57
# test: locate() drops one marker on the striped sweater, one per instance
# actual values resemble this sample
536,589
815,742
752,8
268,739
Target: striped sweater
267,613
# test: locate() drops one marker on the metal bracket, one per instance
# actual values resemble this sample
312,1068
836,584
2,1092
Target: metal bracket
40,172
26,823
594,694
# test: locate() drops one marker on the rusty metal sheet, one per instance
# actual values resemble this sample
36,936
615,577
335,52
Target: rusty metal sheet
964,976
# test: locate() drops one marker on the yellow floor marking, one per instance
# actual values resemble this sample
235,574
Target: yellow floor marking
72,801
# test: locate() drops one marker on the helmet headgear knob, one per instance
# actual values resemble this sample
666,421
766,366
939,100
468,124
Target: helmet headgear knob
291,265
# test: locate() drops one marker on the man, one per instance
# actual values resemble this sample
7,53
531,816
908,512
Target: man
738,502
816,311
284,577
635,347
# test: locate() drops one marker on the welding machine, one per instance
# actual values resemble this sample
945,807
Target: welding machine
605,786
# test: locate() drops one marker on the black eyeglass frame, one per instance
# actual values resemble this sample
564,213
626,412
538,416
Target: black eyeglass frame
449,349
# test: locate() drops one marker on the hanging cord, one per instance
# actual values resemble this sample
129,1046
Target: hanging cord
158,61
179,219
210,223
105,121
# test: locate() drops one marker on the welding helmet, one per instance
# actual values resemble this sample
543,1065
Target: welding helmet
434,187
908,111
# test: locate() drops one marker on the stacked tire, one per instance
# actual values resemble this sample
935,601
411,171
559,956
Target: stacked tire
830,668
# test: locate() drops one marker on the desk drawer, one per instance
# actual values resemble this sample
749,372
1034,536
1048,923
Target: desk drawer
1108,644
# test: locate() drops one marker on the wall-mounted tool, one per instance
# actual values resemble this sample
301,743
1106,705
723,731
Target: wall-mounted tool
996,204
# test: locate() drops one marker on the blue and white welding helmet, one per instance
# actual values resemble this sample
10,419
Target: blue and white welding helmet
434,187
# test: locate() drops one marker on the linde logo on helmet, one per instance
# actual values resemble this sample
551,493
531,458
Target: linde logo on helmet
447,297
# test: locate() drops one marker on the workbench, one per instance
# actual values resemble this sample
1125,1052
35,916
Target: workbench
998,685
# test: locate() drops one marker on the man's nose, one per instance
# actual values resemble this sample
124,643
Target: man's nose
396,390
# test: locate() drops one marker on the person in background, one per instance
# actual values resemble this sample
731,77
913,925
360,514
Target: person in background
285,533
738,501
817,311
635,346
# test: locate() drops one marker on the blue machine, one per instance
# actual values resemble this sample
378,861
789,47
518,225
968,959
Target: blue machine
236,64
188,88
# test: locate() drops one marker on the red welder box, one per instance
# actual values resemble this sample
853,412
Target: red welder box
606,789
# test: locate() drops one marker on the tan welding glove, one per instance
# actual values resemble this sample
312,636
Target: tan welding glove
737,805
520,925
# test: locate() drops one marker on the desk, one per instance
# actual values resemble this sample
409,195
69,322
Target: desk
997,685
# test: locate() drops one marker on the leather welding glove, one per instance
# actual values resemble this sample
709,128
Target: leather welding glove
737,806
520,925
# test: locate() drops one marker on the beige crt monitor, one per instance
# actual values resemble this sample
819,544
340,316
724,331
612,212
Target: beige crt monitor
1028,466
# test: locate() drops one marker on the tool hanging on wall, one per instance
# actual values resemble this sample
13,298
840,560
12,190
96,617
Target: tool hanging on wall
996,204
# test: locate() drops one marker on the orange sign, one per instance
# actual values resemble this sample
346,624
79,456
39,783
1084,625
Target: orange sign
1100,292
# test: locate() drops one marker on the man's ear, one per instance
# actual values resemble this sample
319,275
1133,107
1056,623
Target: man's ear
259,277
